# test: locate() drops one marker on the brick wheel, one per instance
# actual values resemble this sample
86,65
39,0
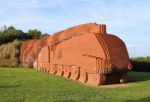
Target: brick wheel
75,73
67,72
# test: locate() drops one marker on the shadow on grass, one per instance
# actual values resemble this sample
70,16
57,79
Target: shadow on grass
8,76
65,100
140,71
138,76
9,86
145,99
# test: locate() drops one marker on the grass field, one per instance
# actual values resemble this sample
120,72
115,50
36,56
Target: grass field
28,85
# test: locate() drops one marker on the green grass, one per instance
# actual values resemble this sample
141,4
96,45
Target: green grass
28,85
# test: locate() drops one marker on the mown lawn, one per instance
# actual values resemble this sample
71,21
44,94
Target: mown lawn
28,85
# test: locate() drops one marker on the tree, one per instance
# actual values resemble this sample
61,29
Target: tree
10,34
34,34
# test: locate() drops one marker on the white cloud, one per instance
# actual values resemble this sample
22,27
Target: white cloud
132,46
103,18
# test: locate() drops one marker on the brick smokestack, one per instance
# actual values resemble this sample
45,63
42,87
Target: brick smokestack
99,29
102,29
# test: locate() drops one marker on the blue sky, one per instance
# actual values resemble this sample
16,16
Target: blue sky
128,19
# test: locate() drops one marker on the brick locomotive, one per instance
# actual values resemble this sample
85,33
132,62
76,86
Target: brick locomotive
86,53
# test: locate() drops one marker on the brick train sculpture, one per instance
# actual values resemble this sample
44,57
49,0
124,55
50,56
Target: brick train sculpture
85,53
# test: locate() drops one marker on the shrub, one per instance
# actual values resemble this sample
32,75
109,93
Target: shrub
9,53
141,64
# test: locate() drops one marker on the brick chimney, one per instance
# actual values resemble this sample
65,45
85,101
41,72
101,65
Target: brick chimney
101,29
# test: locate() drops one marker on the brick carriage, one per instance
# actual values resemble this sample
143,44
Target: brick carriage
85,53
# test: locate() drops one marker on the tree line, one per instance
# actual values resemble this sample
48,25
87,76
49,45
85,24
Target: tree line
9,34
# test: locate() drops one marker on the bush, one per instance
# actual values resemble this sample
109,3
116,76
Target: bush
141,64
9,53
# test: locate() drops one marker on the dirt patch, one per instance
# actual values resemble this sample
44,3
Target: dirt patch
117,85
109,86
